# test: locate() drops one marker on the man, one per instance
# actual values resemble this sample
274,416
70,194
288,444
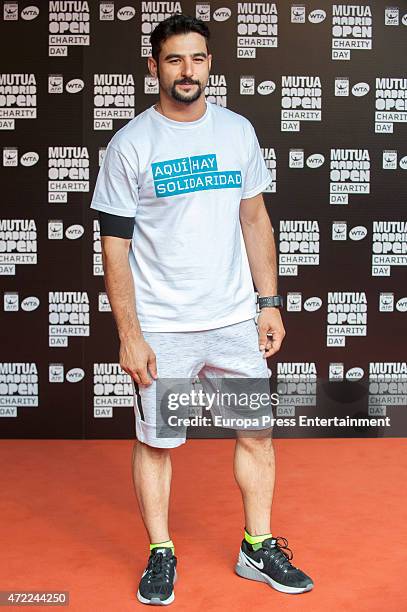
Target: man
184,230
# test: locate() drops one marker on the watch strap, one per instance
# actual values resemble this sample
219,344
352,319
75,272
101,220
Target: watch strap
273,301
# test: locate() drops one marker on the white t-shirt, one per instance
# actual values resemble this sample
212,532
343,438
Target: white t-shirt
183,182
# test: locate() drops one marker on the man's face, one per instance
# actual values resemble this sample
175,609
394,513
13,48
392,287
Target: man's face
184,66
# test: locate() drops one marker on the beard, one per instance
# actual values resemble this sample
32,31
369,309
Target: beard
186,97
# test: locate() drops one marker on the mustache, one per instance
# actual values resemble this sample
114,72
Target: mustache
186,82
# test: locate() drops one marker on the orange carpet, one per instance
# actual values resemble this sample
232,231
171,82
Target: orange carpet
70,522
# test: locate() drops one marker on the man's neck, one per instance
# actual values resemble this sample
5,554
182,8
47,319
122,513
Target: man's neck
177,111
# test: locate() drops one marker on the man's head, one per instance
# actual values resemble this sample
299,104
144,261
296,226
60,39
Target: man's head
180,57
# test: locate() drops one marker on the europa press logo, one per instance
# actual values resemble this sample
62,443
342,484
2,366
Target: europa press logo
107,12
11,159
298,245
12,302
69,24
349,174
18,95
112,388
28,13
301,100
257,27
113,98
18,387
352,27
56,374
387,302
296,303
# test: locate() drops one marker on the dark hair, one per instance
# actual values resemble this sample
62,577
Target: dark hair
176,24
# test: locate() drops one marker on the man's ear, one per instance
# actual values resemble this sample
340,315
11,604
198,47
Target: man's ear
210,61
152,67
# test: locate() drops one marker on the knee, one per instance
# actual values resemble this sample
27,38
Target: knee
153,451
260,442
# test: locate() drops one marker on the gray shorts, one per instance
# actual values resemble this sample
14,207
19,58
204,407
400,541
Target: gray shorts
231,351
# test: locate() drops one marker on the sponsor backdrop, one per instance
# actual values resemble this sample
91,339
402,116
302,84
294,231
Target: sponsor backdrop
325,86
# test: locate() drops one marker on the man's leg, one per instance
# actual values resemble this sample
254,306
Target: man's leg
151,459
152,473
233,352
254,471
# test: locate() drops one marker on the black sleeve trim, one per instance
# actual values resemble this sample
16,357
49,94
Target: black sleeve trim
115,225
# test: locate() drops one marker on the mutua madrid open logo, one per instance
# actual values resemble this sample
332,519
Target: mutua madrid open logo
391,103
296,386
349,174
387,386
68,171
18,387
112,388
69,25
68,316
298,245
301,100
351,29
389,246
346,316
114,98
18,99
257,25
18,244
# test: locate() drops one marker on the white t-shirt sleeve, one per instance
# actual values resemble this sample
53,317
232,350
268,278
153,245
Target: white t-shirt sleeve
116,189
257,176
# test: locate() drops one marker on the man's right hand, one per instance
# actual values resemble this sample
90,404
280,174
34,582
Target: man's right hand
137,358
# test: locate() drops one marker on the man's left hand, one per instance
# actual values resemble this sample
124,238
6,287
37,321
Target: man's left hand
271,331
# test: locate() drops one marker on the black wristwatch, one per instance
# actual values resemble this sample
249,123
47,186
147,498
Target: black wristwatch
273,301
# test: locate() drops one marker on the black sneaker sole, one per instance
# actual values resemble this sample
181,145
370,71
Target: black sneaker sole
245,571
156,601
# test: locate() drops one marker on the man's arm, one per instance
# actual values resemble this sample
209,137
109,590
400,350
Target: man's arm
261,252
135,353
